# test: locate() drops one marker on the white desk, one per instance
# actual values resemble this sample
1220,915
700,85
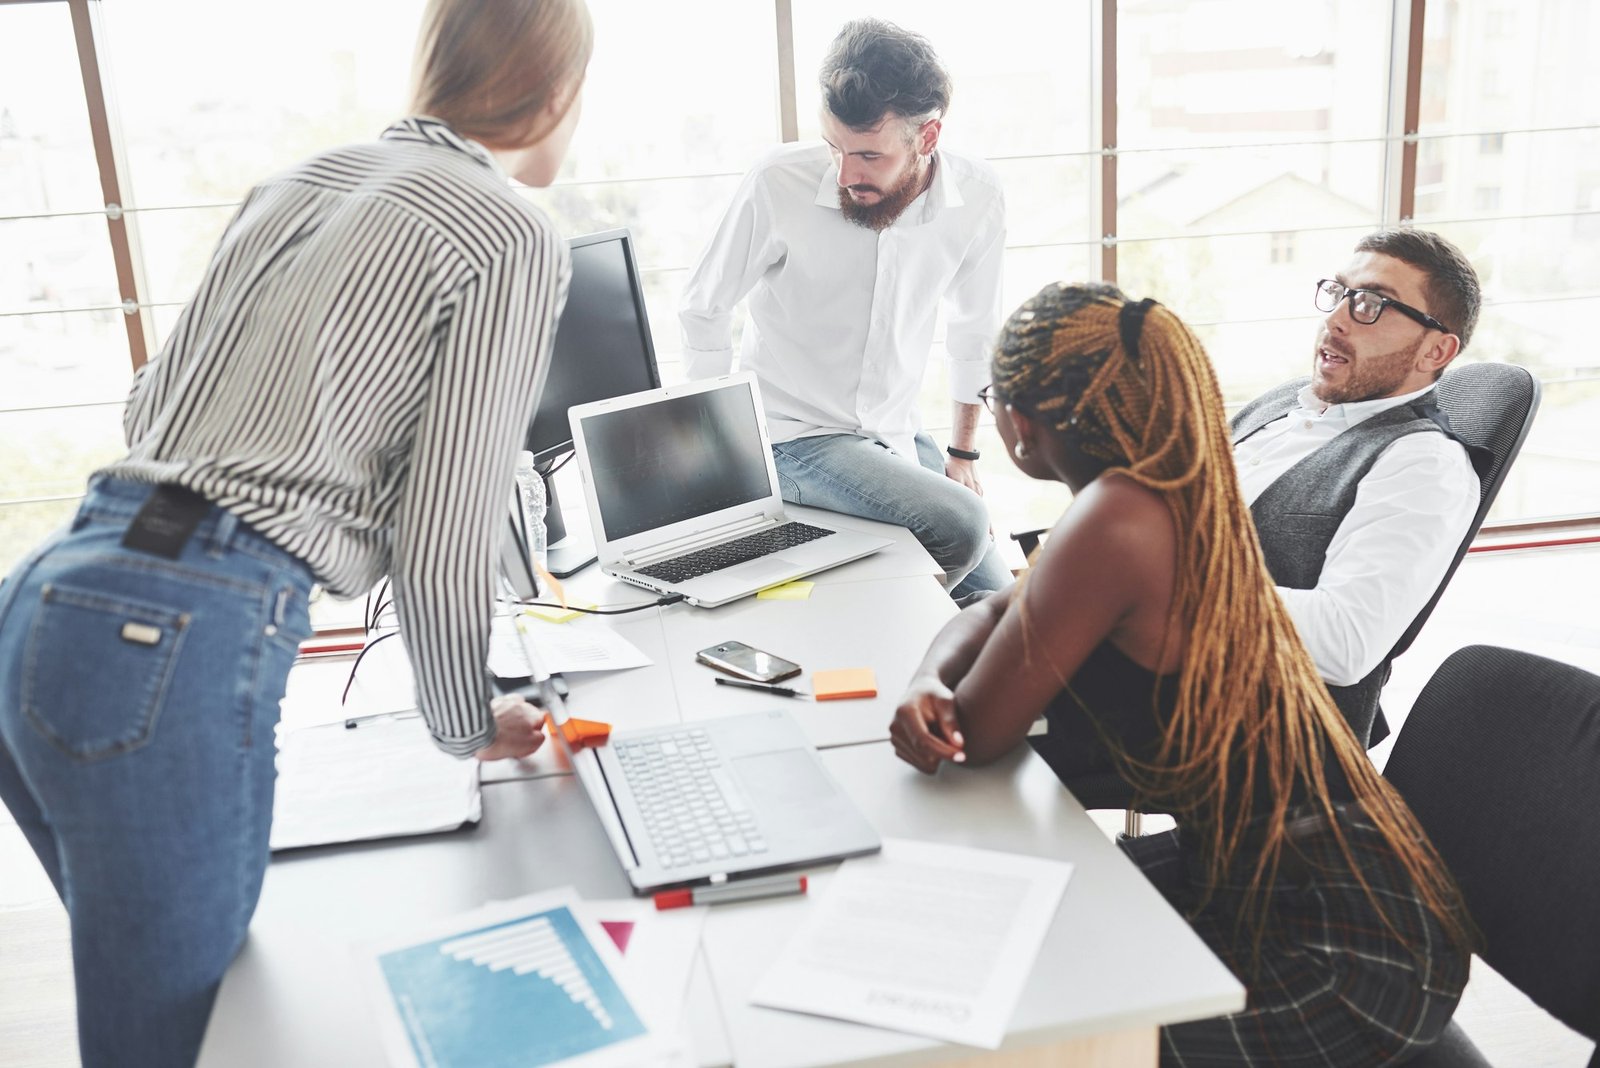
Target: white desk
882,623
879,612
1116,960
1116,964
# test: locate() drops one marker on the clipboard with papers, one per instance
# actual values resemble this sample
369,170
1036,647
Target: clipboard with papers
366,778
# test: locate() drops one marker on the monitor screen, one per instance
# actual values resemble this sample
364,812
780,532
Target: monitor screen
602,346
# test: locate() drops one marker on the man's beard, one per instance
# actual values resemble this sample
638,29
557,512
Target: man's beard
894,200
1377,376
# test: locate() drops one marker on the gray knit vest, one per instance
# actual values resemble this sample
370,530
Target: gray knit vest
1297,516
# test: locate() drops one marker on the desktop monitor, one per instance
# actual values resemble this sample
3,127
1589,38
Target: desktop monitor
602,350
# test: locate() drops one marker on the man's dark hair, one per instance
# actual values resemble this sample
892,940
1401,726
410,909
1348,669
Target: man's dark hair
876,67
1454,295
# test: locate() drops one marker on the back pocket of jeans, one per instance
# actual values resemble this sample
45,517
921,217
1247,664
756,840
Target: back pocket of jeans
96,668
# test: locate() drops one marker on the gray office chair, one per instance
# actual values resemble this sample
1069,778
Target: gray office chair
1500,761
1490,407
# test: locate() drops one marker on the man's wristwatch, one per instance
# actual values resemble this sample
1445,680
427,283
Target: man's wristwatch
961,454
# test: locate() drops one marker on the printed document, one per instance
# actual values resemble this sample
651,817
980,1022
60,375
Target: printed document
381,778
928,939
579,645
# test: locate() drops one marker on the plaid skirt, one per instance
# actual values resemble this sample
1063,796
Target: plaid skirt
1332,985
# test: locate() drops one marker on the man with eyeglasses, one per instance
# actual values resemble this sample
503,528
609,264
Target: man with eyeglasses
846,251
1359,490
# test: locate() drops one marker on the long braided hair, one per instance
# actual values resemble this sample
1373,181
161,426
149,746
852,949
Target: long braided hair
1128,384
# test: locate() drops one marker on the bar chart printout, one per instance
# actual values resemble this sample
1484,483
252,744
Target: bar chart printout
523,992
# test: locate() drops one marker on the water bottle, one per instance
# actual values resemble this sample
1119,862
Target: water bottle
530,490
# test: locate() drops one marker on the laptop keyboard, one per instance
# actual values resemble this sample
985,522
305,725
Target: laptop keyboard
692,811
704,561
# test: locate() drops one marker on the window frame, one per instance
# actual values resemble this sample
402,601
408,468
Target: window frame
1401,138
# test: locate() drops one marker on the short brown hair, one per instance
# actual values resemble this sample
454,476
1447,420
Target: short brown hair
1454,295
489,68
874,67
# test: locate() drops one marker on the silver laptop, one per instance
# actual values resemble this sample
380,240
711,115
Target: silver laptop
713,801
683,497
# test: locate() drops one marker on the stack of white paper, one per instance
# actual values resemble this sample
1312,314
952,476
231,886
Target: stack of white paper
381,778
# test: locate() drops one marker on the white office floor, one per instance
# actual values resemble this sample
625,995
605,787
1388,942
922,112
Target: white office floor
1538,601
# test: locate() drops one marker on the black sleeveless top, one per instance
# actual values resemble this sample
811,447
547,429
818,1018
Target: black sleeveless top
1132,704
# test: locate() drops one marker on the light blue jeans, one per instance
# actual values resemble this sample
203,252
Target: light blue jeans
860,476
138,697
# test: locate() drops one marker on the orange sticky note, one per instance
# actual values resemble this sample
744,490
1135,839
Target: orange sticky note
582,733
843,683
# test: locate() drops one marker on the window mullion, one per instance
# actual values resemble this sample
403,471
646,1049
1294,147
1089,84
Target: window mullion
1106,62
788,108
88,27
1405,105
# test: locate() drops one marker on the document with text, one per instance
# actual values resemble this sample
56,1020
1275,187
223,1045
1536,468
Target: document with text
928,939
379,778
579,645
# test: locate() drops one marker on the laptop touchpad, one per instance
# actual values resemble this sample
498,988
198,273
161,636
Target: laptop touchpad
756,570
781,779
794,801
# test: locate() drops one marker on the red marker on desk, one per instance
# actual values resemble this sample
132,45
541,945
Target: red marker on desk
741,890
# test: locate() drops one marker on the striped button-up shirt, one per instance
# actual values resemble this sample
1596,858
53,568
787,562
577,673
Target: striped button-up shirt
353,379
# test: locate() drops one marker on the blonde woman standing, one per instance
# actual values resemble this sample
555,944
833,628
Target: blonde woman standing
341,400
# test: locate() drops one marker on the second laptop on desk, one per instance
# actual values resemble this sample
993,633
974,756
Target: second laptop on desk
683,495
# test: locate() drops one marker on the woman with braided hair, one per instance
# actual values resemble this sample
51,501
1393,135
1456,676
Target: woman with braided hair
1148,630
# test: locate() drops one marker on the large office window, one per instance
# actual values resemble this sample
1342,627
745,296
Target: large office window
64,363
202,120
672,116
1509,169
1253,142
1250,157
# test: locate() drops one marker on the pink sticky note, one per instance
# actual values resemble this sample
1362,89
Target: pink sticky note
620,931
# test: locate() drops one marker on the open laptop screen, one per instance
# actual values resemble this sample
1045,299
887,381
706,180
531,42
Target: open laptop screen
676,459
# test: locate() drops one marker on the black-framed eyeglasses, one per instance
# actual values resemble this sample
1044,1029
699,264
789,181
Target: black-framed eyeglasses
1366,306
986,395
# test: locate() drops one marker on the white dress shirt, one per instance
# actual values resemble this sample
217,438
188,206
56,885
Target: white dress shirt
841,318
1388,555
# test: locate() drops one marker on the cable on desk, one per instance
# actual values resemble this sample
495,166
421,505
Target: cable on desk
359,656
660,602
671,598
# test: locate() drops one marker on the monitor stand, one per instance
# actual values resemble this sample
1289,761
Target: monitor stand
564,554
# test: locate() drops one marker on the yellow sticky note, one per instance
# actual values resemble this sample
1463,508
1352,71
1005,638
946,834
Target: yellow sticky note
789,591
557,615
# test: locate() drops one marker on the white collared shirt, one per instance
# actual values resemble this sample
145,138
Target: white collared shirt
1388,555
841,319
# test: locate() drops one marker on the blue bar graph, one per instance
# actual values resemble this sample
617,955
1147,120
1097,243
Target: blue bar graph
525,992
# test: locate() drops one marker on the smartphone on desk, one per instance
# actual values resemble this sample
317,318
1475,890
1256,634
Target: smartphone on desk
747,662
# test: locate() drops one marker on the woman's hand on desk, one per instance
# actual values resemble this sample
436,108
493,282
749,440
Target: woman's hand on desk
519,729
925,729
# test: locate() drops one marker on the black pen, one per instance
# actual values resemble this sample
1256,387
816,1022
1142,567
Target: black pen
781,691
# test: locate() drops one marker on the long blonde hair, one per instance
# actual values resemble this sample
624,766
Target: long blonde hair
1129,384
489,68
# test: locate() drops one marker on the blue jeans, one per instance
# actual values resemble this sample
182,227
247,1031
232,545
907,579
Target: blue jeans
860,476
138,697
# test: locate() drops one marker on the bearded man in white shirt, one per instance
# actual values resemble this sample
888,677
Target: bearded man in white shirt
1359,490
845,251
